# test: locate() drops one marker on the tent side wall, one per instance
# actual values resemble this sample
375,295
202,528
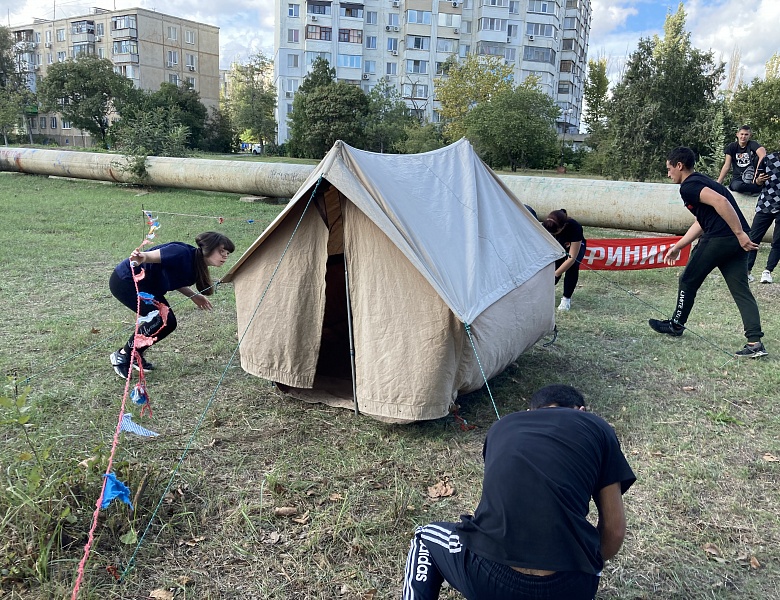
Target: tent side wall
283,340
508,328
407,340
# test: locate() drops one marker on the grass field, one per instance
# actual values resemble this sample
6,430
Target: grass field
699,428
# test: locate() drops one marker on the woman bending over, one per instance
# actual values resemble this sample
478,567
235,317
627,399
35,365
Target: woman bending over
569,235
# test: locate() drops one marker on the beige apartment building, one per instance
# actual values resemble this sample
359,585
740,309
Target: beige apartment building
145,46
406,43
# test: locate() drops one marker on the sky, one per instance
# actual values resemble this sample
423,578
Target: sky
617,25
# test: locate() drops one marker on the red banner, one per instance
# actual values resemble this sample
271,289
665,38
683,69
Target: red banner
631,253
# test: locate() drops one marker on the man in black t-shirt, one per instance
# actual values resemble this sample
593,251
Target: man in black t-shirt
724,243
530,537
742,157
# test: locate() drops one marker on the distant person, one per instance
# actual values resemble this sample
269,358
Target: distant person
570,235
530,538
723,243
767,211
742,157
167,267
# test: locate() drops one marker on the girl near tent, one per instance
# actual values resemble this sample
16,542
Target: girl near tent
167,267
569,234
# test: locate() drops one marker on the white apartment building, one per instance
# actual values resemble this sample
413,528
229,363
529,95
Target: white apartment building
145,46
407,42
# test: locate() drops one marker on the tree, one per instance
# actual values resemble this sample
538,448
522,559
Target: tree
15,97
220,134
515,127
420,137
595,94
465,85
757,105
253,99
184,105
773,66
86,91
388,117
155,132
666,98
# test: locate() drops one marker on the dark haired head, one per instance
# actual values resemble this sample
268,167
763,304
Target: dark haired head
683,155
557,395
555,220
207,243
745,128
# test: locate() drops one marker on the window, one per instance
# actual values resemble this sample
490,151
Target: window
190,58
128,71
173,78
354,12
449,20
293,10
467,3
61,35
510,54
418,16
310,57
99,30
289,108
465,26
131,47
60,57
189,36
292,36
50,58
514,7
53,123
33,123
564,87
490,24
543,6
47,36
371,17
392,68
314,32
123,22
567,66
173,33
371,42
392,44
292,85
571,3
540,29
370,66
318,9
101,52
79,49
82,27
417,66
415,90
490,49
292,61
353,36
43,122
495,2
173,57
570,23
512,30
37,37
446,45
568,44
353,61
65,124
190,82
416,42
534,54
392,19
464,50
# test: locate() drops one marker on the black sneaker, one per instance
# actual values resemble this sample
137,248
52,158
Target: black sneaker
666,327
754,350
121,364
144,363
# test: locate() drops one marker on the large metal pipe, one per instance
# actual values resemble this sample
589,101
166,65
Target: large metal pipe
655,207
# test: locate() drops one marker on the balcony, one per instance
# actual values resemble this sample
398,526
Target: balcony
126,33
124,58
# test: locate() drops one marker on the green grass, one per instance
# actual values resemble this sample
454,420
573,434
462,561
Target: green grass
694,423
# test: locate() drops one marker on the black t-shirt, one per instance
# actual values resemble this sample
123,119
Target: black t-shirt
741,158
571,232
709,219
176,269
542,467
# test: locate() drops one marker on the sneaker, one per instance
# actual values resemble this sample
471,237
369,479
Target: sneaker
666,327
121,364
144,363
753,350
766,276
565,304
751,279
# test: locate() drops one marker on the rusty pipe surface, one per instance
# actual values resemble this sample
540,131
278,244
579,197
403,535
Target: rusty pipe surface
652,207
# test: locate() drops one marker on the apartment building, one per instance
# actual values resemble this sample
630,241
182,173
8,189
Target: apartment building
145,46
407,42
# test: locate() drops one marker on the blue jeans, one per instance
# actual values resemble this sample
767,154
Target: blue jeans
436,555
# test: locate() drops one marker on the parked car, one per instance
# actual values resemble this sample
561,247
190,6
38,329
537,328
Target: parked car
257,148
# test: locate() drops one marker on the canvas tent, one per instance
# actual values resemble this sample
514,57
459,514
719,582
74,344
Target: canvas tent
425,244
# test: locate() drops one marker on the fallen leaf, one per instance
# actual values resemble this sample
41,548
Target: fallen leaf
285,511
712,549
273,538
303,519
192,541
335,497
441,489
94,331
770,458
754,564
161,594
370,594
689,388
184,580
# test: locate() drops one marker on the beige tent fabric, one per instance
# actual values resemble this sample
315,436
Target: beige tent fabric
283,341
407,340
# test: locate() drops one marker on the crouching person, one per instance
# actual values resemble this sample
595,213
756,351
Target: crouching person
529,537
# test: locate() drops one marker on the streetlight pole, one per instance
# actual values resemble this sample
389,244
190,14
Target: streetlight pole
563,137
